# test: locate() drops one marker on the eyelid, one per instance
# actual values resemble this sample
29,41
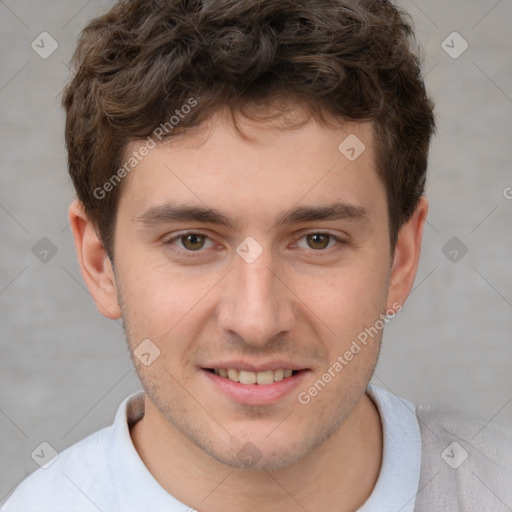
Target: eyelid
170,241
332,236
339,240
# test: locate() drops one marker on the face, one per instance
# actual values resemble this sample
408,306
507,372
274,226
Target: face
255,258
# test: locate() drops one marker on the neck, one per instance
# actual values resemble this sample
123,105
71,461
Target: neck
339,475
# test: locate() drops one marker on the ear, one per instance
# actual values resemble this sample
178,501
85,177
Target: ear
407,255
94,263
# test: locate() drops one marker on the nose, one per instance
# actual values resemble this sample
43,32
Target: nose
257,306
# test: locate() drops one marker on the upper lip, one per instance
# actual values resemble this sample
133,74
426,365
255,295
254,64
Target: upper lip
256,367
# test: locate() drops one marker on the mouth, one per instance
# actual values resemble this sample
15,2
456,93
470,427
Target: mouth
261,378
263,387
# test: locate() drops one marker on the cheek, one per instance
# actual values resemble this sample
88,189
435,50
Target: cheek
347,308
154,292
166,307
348,297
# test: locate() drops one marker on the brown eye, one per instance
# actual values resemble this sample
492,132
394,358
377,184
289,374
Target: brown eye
186,243
318,241
193,241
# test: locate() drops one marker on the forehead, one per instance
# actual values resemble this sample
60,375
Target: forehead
260,169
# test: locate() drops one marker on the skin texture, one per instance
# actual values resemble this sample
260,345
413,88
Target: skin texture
299,302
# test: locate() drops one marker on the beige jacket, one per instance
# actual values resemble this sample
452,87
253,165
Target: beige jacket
466,464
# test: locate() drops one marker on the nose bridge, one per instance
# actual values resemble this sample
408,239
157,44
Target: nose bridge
257,306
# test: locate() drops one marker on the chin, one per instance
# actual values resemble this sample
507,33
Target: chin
262,453
250,458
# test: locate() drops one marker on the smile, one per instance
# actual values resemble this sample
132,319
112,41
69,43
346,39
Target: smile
248,377
263,387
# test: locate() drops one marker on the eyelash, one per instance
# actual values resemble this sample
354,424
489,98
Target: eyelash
170,242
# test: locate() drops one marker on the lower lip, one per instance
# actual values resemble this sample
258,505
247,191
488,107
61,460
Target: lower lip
257,394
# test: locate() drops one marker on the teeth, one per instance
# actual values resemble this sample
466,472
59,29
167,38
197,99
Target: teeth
246,377
234,375
265,377
278,375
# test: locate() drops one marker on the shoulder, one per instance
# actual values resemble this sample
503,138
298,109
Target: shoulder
485,442
76,476
466,462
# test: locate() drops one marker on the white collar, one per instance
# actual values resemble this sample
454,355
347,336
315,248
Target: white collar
398,481
396,486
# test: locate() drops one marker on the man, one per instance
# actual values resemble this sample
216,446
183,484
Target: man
250,201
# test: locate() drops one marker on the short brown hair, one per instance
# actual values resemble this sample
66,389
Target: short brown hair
142,61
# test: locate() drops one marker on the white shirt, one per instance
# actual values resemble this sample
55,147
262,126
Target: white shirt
104,472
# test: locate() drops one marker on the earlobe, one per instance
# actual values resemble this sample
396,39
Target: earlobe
407,255
94,263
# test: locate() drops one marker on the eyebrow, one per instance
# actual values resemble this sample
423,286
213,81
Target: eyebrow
168,213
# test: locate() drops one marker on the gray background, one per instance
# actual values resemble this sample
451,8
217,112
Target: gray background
65,369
